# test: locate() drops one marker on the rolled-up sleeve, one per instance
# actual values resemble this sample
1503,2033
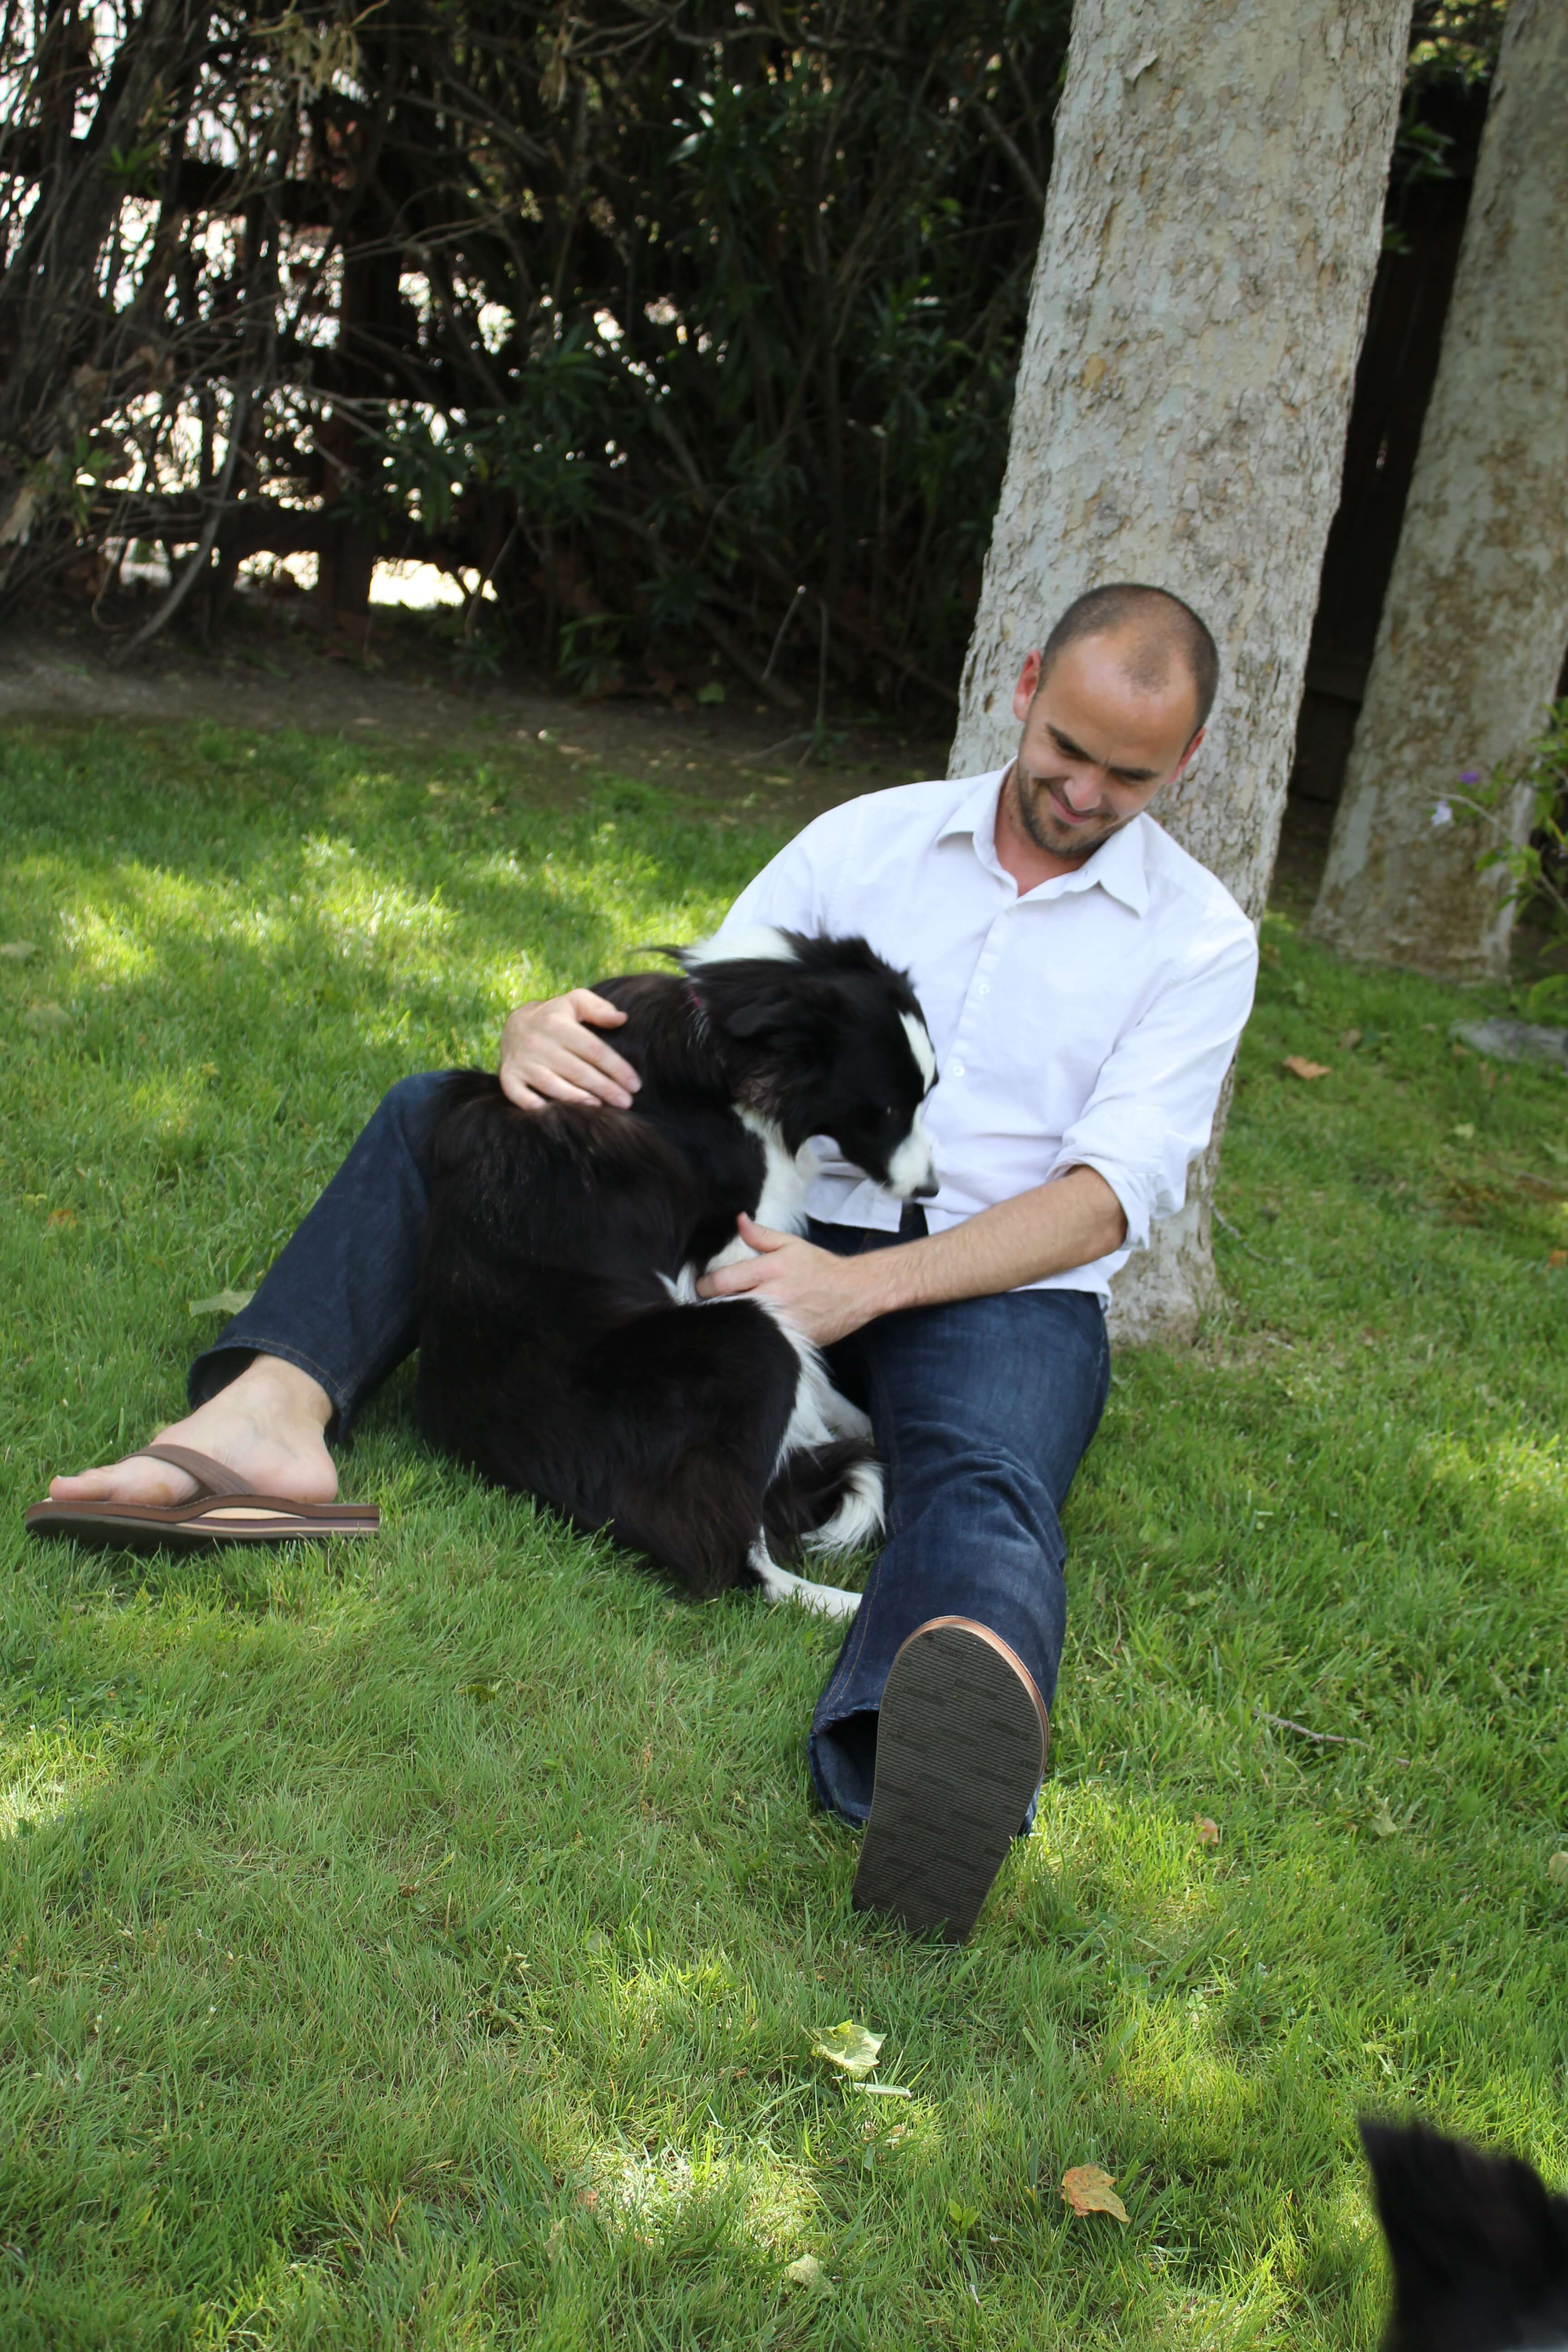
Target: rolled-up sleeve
1151,1111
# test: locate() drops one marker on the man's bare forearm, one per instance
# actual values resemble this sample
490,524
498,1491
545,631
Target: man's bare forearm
1070,1222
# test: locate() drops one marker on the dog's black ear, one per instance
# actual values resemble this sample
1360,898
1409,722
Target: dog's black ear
1466,2230
789,1007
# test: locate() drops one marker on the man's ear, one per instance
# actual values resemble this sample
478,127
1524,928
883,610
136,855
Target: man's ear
1028,683
1188,756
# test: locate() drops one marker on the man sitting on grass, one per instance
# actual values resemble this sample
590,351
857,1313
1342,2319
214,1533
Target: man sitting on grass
1085,983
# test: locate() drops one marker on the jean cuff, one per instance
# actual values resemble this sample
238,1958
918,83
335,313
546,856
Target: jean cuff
211,1372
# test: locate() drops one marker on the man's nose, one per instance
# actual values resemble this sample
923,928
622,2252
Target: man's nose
1082,790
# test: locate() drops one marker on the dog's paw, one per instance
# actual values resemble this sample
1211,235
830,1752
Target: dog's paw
778,1584
846,1420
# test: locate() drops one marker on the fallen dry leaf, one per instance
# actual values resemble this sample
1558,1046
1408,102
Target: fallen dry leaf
17,951
1349,1040
1300,1067
1383,1821
61,1217
848,2047
44,1018
1557,1257
228,1302
806,2270
1208,1831
1088,2189
1557,1869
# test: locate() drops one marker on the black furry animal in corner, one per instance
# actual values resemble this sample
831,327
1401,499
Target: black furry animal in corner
562,1349
1479,2245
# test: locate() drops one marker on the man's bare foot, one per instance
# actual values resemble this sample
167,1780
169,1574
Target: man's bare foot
267,1426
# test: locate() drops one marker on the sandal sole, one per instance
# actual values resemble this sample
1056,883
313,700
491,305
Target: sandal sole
960,1752
123,1532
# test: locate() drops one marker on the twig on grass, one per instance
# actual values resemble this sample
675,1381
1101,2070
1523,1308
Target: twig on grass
1320,1739
1235,1236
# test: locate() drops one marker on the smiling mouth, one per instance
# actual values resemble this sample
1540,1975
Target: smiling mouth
1068,815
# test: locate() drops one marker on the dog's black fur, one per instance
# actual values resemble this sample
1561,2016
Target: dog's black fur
554,1354
1479,2245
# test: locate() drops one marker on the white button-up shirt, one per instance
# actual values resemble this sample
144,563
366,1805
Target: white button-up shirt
1087,1023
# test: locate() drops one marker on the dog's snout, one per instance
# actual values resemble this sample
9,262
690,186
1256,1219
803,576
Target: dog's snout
925,1192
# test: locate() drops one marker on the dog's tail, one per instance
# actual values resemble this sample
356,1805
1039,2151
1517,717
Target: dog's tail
825,1497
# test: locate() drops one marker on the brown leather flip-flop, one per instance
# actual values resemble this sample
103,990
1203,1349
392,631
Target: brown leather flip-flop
960,1746
223,1510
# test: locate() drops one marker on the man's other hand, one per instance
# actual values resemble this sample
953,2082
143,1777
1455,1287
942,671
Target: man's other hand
552,1052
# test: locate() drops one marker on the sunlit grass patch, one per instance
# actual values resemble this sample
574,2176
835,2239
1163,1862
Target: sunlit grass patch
425,1941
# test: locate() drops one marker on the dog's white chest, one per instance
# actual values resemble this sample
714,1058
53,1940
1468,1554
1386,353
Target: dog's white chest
786,1178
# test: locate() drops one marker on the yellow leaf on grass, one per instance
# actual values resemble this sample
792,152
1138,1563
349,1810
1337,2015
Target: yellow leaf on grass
806,2270
1557,1869
1208,1831
228,1302
850,2047
1088,2189
1300,1067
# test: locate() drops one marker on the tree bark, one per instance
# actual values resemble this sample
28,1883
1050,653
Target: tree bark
1476,618
1212,227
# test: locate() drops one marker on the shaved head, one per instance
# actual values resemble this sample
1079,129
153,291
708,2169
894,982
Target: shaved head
1155,634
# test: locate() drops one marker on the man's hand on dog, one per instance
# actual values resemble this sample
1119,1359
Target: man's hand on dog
552,1052
824,1297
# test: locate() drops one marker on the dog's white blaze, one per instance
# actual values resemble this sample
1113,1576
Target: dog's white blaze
859,1518
921,1047
753,944
913,1163
778,1584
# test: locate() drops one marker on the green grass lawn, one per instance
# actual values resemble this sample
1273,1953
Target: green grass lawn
420,1943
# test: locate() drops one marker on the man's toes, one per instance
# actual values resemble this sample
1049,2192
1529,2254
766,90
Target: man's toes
137,1481
82,1486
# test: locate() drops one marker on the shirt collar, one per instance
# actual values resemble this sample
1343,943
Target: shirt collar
1117,867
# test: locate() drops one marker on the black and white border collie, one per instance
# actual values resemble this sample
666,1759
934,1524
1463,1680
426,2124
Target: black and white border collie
1479,2245
562,1349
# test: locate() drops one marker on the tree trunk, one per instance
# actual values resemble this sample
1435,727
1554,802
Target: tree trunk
1211,227
1476,618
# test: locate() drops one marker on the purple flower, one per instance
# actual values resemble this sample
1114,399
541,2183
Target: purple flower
1471,776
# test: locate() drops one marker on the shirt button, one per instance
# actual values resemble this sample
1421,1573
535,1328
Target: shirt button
983,988
955,1069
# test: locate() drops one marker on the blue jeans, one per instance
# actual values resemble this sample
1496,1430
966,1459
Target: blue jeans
982,1410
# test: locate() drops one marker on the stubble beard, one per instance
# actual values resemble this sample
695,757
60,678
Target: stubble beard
1032,809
